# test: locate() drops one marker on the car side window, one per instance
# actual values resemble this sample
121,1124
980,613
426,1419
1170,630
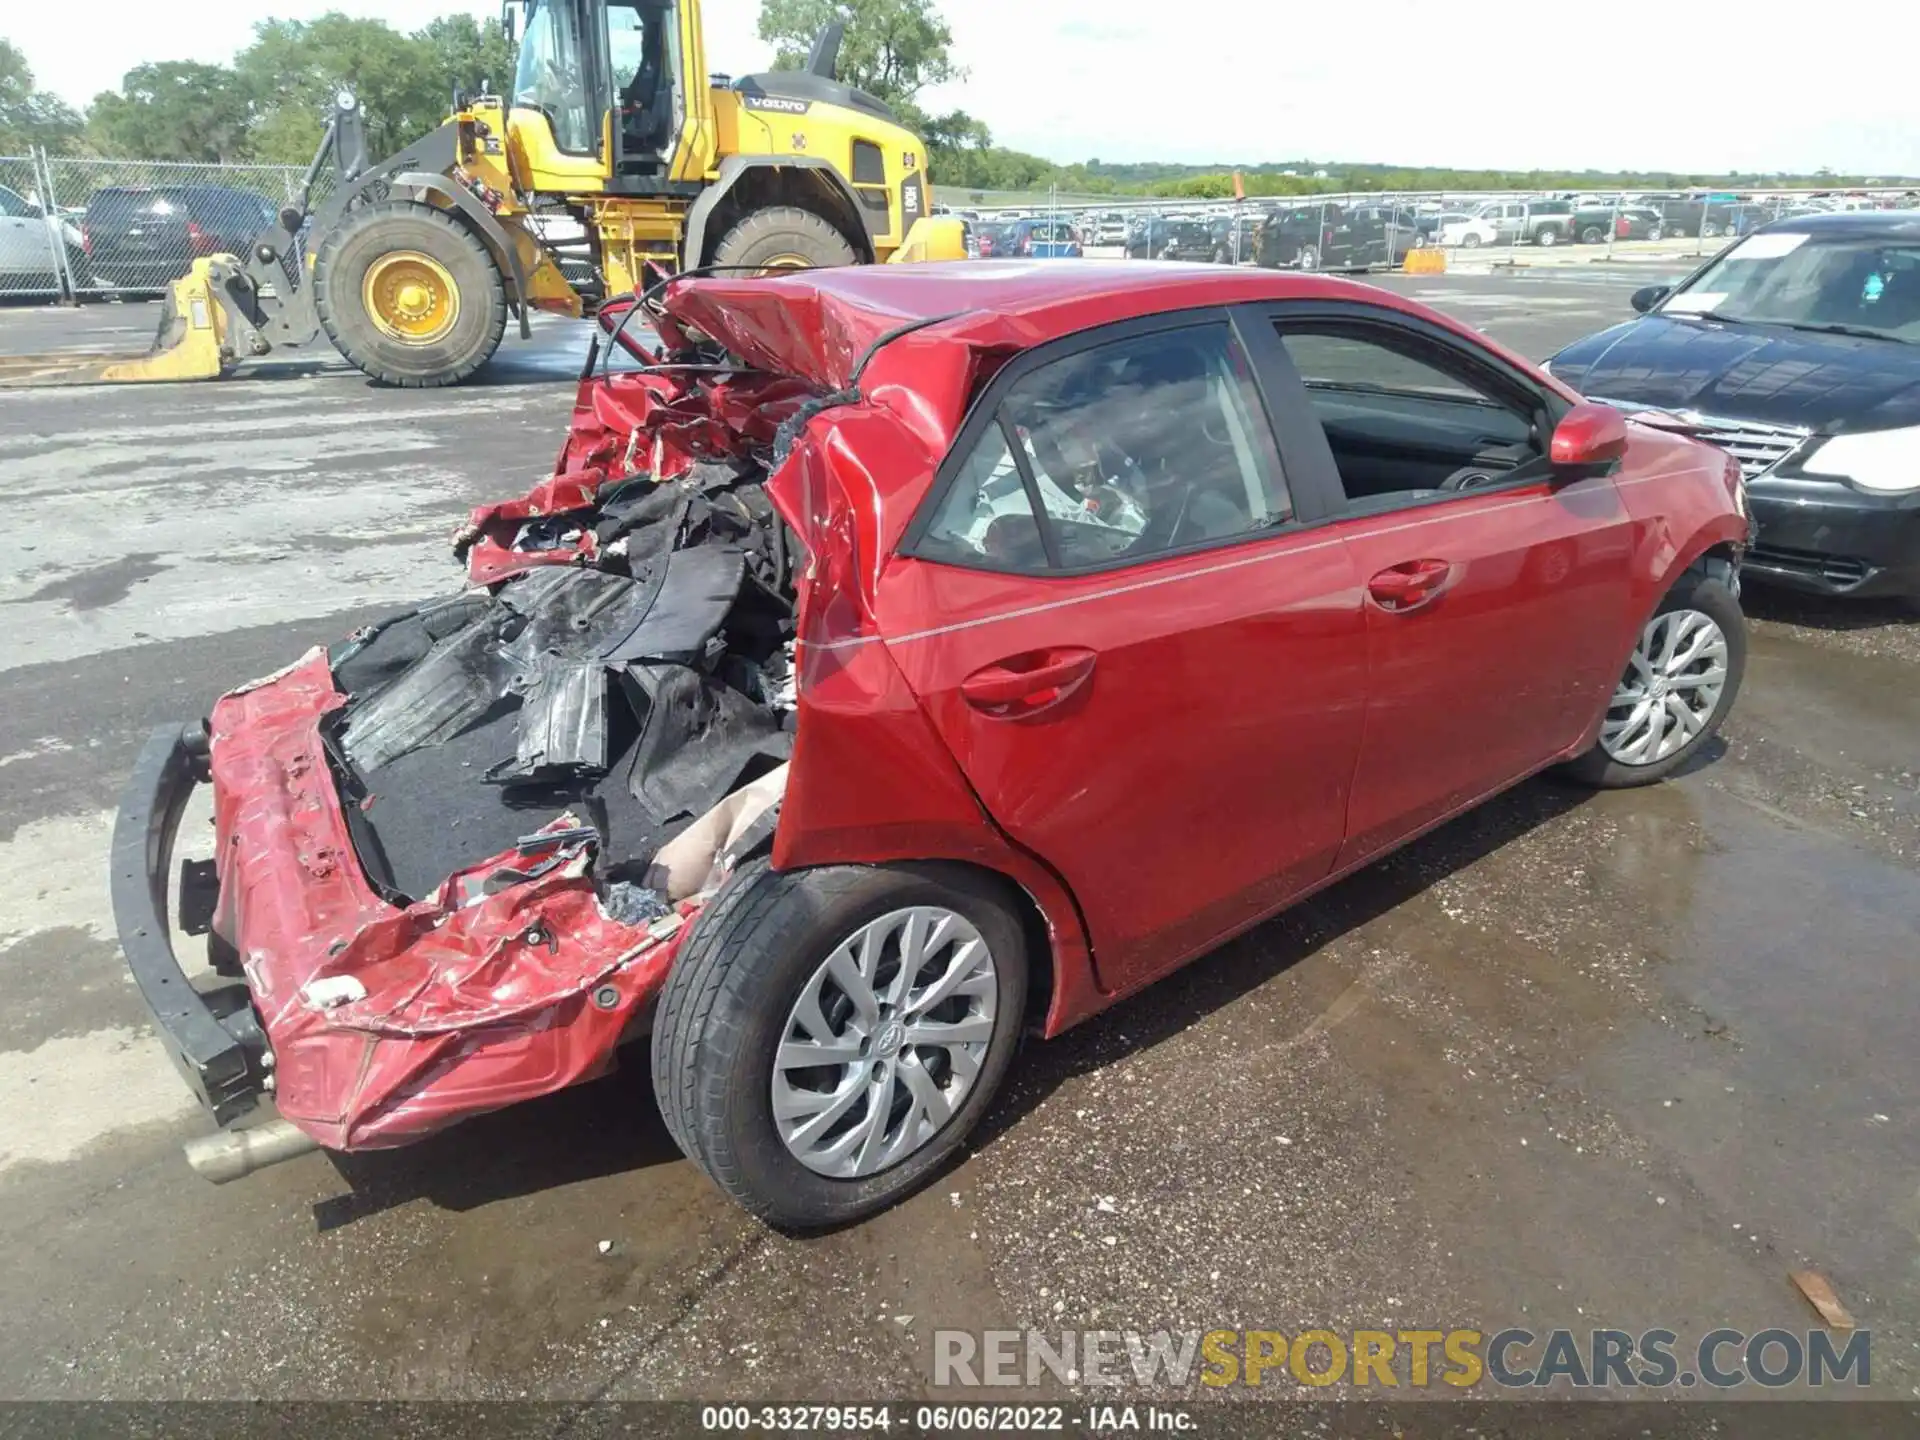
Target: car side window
1407,421
12,206
1116,452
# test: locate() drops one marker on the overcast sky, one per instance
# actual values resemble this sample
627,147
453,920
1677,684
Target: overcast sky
1635,84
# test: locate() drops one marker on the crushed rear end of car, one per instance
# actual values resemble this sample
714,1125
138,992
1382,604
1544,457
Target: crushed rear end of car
457,852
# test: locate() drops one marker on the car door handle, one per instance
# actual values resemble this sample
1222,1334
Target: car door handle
1410,585
1026,684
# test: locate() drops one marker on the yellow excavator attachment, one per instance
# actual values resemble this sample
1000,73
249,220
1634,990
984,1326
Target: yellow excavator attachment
191,344
932,237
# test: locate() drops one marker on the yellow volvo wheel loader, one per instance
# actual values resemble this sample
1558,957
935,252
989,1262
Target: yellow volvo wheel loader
612,131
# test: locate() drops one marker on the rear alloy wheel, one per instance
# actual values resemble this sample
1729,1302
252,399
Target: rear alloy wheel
827,1038
782,238
409,294
1592,235
1655,233
1548,236
1678,686
1709,232
1471,240
1309,257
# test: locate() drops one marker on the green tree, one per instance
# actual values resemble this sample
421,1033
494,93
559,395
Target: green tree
468,53
175,110
28,114
893,49
293,68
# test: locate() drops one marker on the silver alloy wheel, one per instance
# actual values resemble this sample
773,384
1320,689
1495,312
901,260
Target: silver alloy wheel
1670,691
885,1042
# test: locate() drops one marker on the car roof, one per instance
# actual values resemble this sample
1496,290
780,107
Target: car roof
1888,224
819,324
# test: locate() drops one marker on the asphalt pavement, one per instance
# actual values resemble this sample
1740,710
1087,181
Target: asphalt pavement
1623,1059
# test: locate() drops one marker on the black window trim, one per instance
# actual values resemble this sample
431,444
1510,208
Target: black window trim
985,412
1317,467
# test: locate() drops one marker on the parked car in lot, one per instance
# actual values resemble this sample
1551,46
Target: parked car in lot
1469,232
1322,235
1110,228
1431,222
1172,239
874,720
1539,222
991,239
1043,240
1593,223
143,237
1798,352
1707,216
28,261
1235,237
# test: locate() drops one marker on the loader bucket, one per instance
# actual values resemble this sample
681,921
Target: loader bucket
932,237
190,344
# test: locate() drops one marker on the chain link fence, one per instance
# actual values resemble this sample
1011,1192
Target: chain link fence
126,227
36,241
1375,230
72,228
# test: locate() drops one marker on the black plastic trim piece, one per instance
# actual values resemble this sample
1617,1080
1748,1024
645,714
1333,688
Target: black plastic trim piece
221,1057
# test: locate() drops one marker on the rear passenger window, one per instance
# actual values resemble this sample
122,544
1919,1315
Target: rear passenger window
986,516
1128,450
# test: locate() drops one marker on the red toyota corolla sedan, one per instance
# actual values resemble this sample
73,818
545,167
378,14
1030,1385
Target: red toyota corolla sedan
905,657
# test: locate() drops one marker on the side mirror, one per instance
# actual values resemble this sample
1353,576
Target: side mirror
1588,435
1648,296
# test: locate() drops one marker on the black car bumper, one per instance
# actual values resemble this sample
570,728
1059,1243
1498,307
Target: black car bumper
1828,538
212,1037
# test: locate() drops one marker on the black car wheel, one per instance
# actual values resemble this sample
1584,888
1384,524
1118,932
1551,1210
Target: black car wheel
1678,686
827,1038
1655,232
1709,231
1548,235
1309,257
1592,235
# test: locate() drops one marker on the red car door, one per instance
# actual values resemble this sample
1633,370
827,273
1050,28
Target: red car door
1151,676
1495,589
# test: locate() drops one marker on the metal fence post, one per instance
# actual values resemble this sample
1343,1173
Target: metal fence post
56,227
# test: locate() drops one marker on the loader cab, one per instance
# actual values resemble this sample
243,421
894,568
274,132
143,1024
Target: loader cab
600,93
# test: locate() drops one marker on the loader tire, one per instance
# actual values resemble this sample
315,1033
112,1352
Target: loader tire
409,295
783,238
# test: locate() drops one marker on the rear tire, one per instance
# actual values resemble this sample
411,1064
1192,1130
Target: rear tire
1697,593
1547,236
730,1019
1592,235
783,238
379,234
1309,257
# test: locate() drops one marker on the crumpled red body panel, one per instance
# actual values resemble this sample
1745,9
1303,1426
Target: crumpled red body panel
471,1000
657,423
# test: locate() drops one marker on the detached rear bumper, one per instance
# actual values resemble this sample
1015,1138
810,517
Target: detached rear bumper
219,1048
